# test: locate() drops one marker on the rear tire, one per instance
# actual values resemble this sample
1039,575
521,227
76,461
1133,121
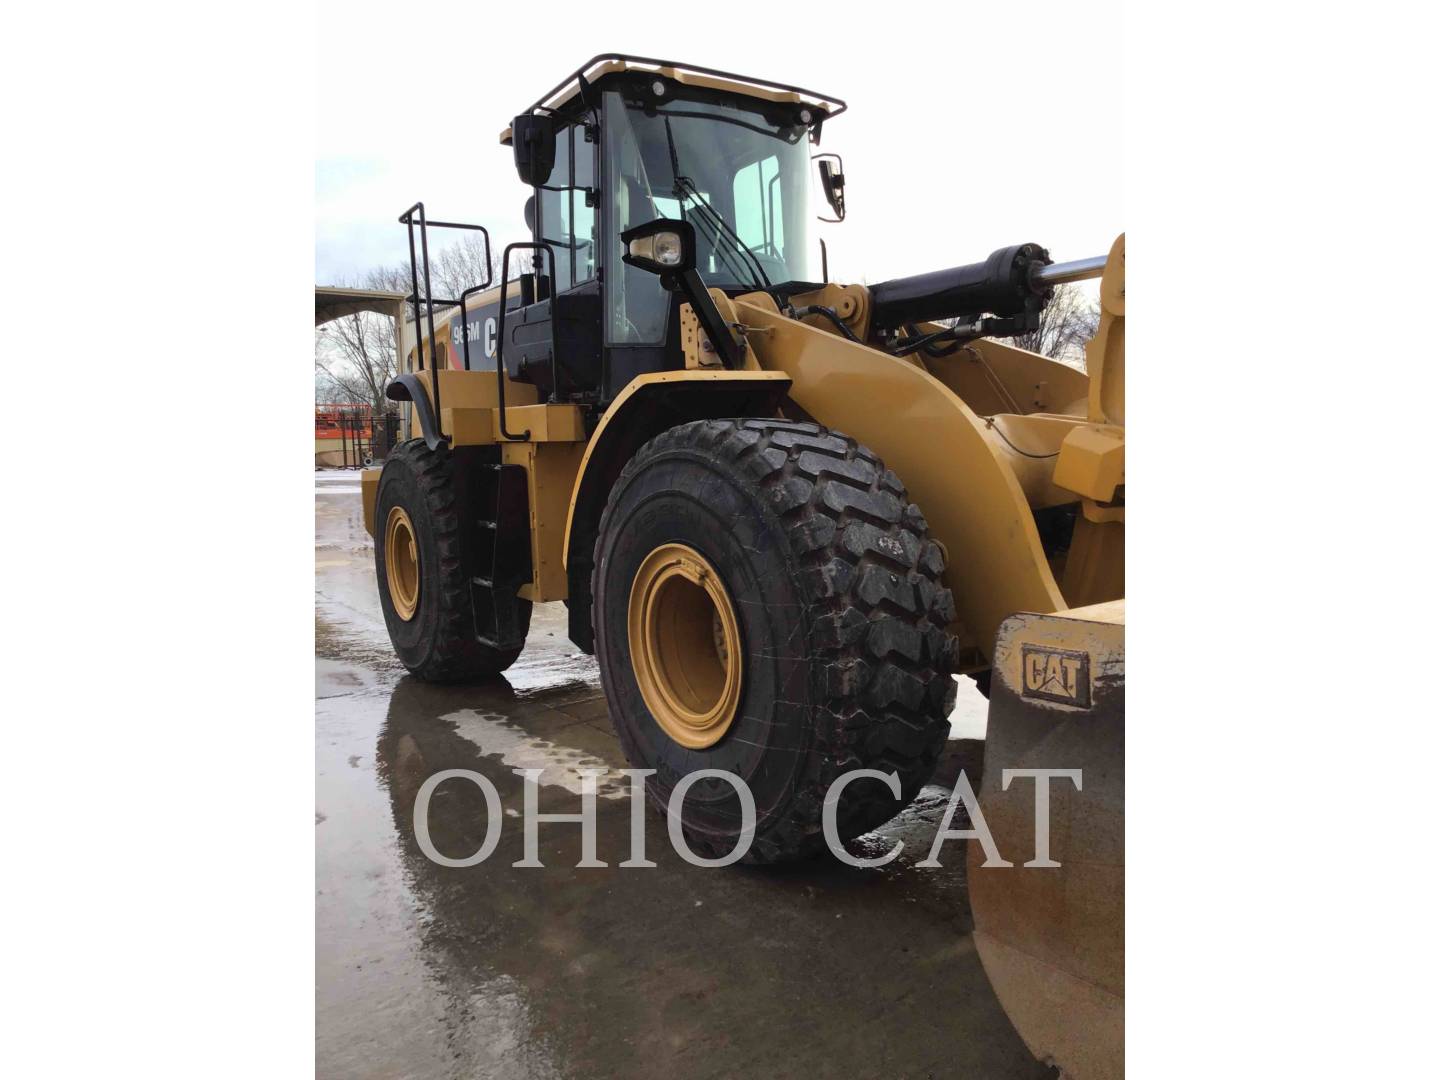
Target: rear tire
437,642
836,587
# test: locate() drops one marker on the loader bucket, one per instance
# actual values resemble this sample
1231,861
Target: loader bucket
1052,938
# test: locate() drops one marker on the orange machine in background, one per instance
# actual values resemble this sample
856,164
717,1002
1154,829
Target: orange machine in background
344,432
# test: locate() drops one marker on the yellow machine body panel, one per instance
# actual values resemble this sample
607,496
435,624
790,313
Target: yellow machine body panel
993,378
718,384
1052,937
369,492
551,470
936,444
551,459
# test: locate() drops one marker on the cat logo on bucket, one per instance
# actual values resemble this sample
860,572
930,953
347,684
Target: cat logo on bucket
1056,675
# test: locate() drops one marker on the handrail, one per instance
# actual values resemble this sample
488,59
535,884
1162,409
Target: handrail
579,77
531,245
465,326
408,220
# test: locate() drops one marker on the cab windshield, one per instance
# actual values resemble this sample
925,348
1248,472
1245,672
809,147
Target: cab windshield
739,178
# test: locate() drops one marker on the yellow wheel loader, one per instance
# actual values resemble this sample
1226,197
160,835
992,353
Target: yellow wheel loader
783,511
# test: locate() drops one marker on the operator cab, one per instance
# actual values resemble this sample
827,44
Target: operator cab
626,141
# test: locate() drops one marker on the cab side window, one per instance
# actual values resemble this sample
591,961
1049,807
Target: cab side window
555,216
584,218
566,223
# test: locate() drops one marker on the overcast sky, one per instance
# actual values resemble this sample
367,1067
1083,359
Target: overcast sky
970,126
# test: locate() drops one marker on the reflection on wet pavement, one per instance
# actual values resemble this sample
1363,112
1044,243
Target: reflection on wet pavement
425,971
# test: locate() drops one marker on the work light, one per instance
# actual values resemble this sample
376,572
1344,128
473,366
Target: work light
661,246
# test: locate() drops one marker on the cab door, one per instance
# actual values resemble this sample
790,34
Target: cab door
566,295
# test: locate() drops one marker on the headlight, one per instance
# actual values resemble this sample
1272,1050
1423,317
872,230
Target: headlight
664,248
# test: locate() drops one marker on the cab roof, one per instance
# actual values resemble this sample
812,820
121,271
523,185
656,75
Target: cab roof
688,74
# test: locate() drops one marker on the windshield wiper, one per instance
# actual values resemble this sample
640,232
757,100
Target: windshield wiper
721,229
686,186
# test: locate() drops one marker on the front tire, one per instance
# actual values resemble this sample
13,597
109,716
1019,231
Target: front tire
840,627
422,568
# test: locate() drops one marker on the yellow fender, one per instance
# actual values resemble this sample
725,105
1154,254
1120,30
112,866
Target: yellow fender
995,564
650,404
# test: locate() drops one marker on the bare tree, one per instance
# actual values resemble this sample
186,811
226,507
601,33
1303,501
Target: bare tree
394,278
355,358
454,268
461,266
355,355
1066,324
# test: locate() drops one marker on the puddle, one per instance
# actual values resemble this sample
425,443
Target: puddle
563,765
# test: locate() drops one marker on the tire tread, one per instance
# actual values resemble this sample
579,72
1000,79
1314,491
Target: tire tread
878,614
455,654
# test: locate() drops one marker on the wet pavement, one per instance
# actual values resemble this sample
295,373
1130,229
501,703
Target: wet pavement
425,971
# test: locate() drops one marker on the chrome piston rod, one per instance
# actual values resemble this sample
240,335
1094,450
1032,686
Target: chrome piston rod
1063,273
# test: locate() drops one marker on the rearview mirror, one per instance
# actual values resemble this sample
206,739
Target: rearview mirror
832,182
533,139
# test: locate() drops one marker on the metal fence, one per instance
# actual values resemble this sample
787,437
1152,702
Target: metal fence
364,437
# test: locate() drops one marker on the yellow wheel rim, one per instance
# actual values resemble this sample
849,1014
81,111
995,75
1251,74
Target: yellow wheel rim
685,645
402,563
